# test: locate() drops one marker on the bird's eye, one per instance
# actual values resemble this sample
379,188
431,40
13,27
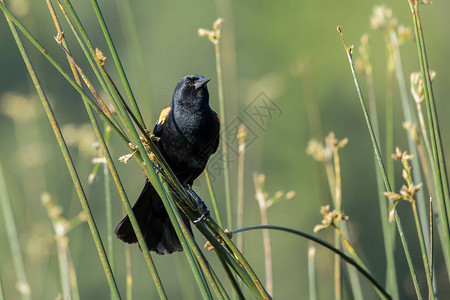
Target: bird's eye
189,81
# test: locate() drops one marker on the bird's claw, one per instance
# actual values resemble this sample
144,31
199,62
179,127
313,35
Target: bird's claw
203,217
202,206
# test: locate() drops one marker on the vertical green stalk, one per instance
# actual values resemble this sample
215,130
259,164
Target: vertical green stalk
408,178
389,118
262,202
388,229
214,37
2,294
224,135
13,238
213,198
129,272
242,134
440,172
73,279
108,207
62,243
338,207
376,149
312,272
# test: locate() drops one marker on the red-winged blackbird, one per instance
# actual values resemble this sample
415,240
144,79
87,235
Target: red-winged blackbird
189,134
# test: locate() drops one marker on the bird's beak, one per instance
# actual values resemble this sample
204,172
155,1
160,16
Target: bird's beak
201,82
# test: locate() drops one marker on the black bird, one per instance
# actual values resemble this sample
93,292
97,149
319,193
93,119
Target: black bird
189,134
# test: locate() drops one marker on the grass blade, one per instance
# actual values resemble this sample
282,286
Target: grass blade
13,238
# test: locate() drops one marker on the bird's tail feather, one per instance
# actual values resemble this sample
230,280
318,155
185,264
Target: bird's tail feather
154,223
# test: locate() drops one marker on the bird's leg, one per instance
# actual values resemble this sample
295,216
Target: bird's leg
201,204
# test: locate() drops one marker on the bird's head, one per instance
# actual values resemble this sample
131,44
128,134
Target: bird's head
192,90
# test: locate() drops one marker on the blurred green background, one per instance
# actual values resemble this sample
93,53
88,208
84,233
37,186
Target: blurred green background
288,50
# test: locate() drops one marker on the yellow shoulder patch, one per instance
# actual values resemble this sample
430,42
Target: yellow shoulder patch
218,119
163,115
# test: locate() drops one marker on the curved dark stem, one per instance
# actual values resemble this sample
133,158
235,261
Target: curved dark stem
344,256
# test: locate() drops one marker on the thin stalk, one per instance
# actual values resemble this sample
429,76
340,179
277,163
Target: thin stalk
242,134
337,272
119,66
108,207
213,197
390,122
423,250
129,272
312,273
224,135
73,278
62,244
232,279
65,151
408,179
338,207
440,172
431,241
13,238
363,271
2,293
262,202
382,168
388,229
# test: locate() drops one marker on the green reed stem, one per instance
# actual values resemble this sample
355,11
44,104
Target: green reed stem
225,164
388,228
423,250
2,293
382,168
129,272
65,151
109,221
213,198
440,171
344,256
234,282
13,238
312,273
119,66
